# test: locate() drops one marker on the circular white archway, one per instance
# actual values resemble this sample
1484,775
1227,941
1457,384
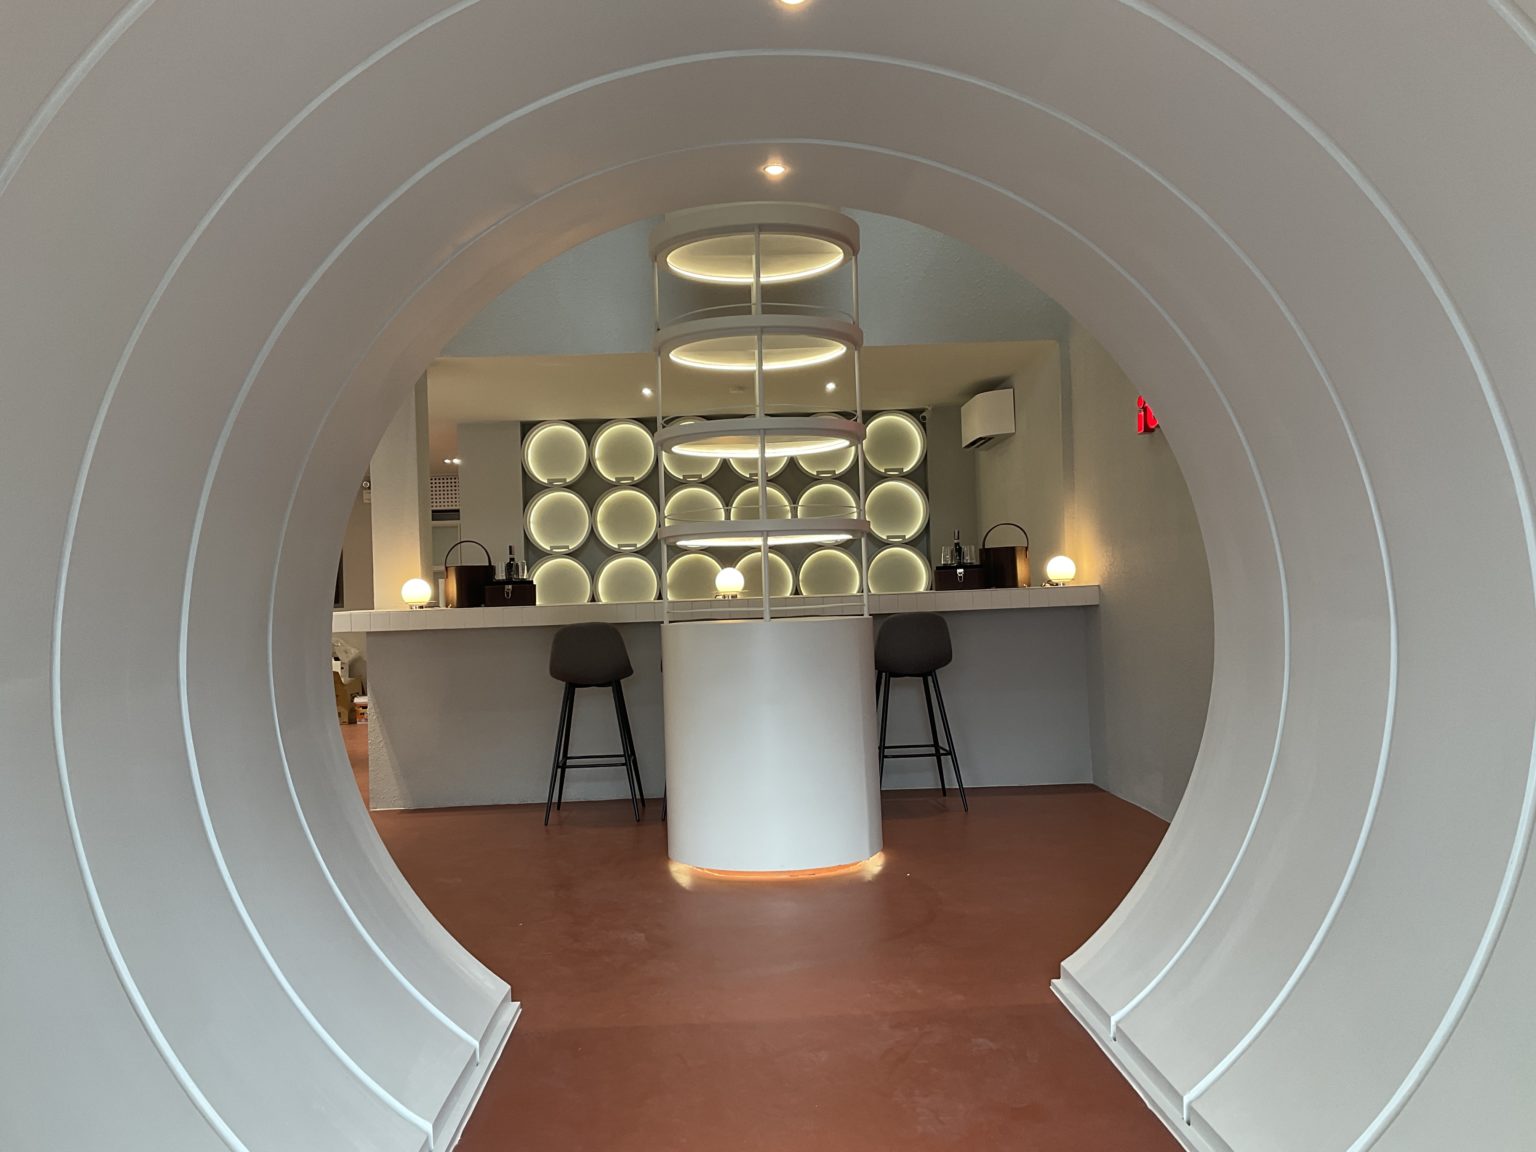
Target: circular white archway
229,245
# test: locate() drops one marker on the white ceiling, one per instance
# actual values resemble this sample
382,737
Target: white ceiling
477,389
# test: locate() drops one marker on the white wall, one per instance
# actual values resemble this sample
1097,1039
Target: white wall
1133,532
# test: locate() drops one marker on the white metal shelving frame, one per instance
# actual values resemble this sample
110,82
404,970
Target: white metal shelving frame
771,435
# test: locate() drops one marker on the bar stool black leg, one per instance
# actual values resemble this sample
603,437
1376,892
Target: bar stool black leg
885,709
556,766
631,770
933,730
954,758
627,736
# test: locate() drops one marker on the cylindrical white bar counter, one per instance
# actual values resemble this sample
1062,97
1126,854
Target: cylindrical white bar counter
771,743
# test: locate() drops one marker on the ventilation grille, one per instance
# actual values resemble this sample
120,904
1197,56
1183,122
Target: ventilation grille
444,493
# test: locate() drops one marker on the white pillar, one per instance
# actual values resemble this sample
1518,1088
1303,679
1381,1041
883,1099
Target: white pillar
791,780
401,504
491,487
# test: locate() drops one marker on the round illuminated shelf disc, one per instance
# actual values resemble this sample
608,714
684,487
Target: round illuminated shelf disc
694,504
692,577
626,580
828,498
625,519
895,443
746,505
781,578
729,259
832,463
560,580
623,452
688,468
555,453
738,352
899,569
558,520
829,572
897,510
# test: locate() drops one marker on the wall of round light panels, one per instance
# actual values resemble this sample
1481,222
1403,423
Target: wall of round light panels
688,468
557,520
626,579
623,452
747,504
899,568
555,453
829,572
691,576
694,504
561,580
781,577
625,519
895,443
824,464
828,498
897,510
748,468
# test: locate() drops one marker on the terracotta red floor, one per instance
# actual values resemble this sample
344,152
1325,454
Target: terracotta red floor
906,1012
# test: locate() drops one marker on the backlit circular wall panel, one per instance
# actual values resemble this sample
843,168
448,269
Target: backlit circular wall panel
626,580
623,452
781,579
555,453
897,510
833,463
748,467
829,572
692,576
681,467
625,519
561,580
895,443
558,520
729,259
828,498
694,504
746,504
899,569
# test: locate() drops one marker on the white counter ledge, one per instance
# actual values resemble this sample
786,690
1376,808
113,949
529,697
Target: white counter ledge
432,619
463,711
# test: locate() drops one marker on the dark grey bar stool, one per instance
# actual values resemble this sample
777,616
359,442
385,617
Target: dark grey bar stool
591,656
916,644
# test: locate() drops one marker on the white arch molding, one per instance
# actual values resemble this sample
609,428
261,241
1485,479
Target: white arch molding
227,245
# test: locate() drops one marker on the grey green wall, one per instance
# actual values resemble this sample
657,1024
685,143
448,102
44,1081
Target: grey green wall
1023,478
1132,530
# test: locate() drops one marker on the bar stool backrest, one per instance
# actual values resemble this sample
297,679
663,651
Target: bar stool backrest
912,644
589,655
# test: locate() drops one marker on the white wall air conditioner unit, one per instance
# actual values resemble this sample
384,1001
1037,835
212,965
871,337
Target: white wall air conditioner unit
986,416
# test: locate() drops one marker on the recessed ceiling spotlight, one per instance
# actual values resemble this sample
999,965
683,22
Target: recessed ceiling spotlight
791,3
647,391
452,460
775,169
831,385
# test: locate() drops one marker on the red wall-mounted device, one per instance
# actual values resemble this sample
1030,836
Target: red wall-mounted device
1146,420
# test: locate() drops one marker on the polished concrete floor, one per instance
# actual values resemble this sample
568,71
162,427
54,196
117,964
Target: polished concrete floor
903,1011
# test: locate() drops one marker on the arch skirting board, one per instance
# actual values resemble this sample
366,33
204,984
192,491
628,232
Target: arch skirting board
229,246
